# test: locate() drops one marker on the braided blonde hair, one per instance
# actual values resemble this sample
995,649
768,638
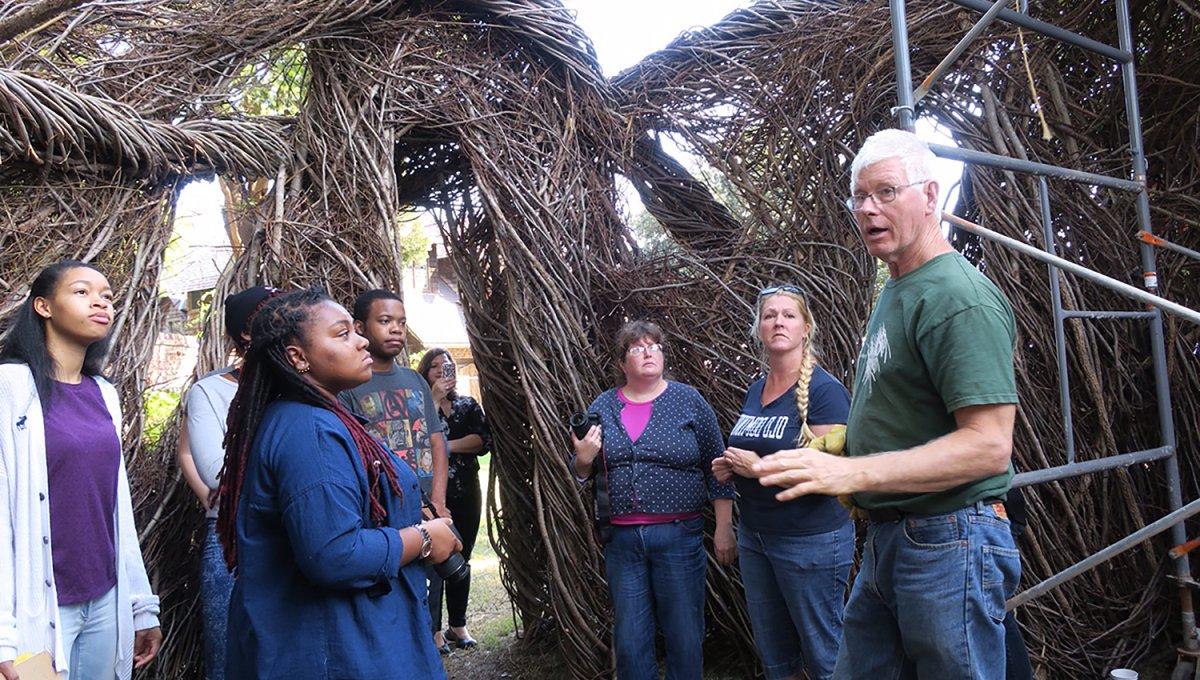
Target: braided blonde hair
806,368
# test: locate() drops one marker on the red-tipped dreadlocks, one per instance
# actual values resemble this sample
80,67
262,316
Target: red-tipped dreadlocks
374,459
267,375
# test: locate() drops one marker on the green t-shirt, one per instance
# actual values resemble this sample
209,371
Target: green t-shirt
940,338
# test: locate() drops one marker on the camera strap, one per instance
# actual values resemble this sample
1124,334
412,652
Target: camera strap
603,521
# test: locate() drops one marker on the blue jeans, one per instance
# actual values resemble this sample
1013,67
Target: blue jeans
656,574
216,583
795,593
928,601
89,634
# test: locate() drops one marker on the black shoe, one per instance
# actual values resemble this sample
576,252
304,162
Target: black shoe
461,643
444,650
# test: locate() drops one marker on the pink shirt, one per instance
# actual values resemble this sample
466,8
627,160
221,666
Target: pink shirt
635,415
640,518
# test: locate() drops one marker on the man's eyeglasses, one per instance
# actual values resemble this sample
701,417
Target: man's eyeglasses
881,196
639,350
794,290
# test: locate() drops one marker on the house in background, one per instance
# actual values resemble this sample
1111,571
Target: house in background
199,252
435,316
201,249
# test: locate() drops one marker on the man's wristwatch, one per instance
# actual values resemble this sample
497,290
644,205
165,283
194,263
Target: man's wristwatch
426,541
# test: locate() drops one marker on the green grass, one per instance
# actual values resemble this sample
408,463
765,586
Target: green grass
489,613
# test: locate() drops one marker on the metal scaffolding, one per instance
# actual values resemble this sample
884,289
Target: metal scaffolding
906,115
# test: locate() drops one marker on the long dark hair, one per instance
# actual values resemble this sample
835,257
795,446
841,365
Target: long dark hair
267,376
426,363
25,341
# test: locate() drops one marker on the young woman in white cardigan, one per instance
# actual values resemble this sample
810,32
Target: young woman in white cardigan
72,581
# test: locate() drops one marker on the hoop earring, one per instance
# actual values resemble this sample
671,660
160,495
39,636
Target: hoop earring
304,370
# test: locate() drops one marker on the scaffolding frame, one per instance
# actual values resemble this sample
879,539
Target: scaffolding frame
1123,53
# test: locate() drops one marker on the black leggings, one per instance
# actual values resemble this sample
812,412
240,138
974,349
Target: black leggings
466,511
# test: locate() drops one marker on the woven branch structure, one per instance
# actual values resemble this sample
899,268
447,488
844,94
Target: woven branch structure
494,116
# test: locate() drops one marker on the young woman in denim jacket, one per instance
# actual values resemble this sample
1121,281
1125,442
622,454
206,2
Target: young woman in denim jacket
795,557
72,580
320,521
655,445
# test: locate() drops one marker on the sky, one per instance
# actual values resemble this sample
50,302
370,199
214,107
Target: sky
622,32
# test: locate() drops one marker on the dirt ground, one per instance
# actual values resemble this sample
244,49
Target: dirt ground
503,659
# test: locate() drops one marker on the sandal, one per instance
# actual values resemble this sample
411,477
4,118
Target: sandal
461,643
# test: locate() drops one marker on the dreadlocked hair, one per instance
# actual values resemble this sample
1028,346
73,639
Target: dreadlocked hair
268,376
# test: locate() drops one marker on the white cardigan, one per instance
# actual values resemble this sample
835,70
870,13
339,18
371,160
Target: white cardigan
28,599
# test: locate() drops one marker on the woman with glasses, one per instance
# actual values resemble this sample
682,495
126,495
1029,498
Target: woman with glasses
652,453
795,556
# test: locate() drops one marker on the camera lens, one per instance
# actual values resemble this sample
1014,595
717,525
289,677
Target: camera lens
454,569
580,424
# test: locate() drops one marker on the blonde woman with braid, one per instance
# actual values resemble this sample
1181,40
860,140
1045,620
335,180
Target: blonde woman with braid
795,556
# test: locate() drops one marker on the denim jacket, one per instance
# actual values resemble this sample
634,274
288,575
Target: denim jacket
320,592
669,468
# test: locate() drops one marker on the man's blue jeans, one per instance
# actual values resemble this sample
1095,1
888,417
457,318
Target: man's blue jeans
928,601
795,593
656,574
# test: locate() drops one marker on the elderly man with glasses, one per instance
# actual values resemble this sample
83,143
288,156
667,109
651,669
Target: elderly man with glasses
929,440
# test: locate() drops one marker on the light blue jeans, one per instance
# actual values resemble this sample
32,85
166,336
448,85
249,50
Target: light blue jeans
795,593
216,585
89,634
928,601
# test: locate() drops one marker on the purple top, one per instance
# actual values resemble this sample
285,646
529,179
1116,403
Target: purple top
635,415
83,455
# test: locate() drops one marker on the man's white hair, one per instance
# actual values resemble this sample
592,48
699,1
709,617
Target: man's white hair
902,144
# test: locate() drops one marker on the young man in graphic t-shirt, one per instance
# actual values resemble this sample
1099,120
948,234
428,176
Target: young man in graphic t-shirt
396,401
400,408
928,440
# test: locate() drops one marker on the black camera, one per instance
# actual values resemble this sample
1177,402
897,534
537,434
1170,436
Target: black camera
455,567
581,422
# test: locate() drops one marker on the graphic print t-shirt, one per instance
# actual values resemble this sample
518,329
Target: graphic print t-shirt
774,427
399,410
